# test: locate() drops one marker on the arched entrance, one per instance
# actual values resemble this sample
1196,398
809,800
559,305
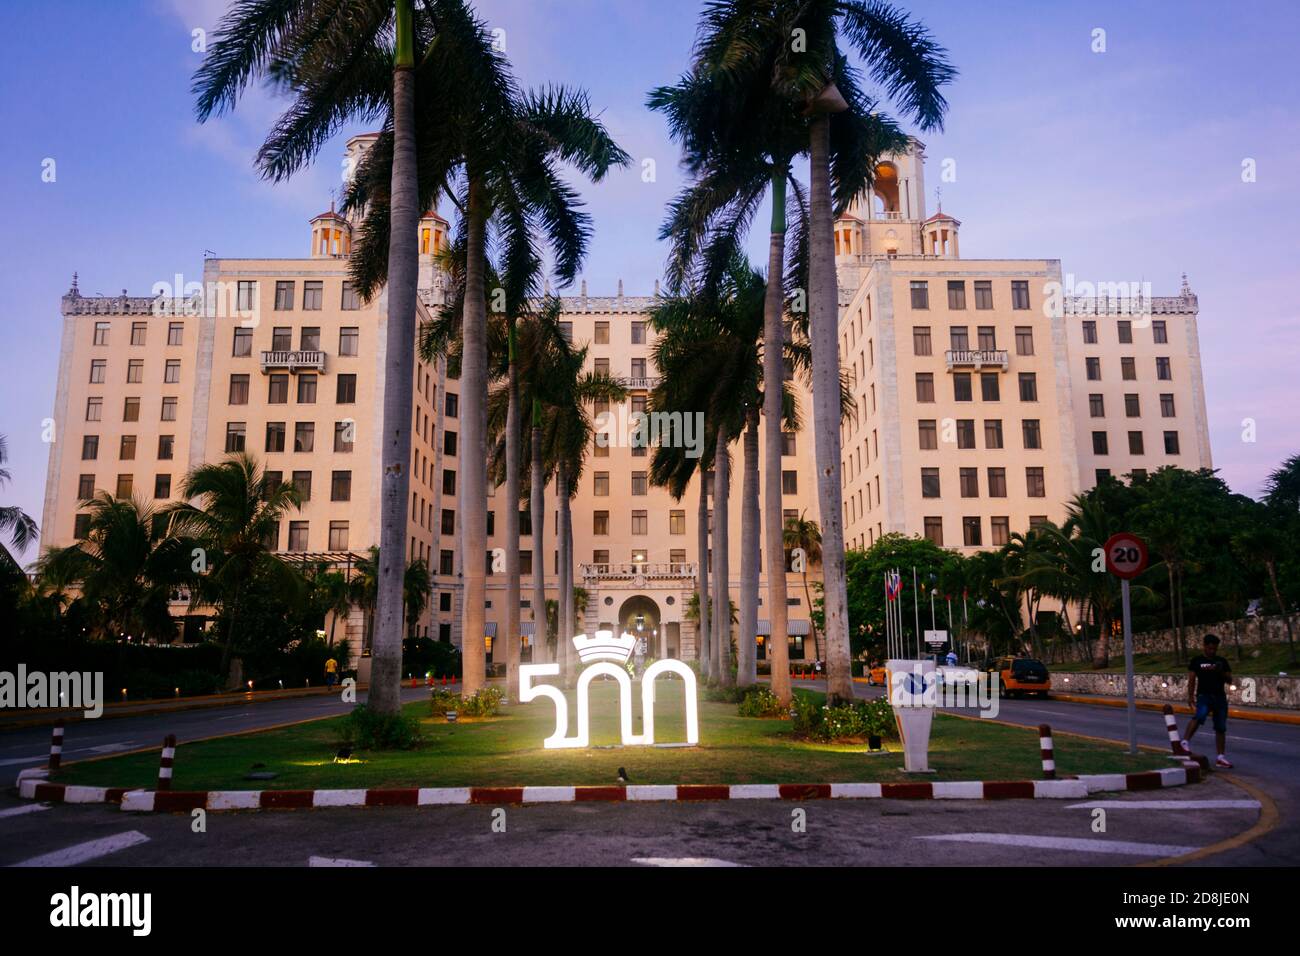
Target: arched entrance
639,616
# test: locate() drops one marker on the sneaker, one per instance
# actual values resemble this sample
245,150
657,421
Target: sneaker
1186,751
1223,762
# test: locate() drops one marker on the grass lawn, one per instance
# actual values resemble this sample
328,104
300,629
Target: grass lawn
1266,660
507,751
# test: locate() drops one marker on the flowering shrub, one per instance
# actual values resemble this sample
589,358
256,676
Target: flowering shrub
760,702
485,703
844,722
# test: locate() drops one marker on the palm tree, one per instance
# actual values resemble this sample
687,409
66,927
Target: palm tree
416,588
333,595
15,523
805,534
1269,531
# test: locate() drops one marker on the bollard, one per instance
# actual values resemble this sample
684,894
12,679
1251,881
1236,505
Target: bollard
56,745
165,764
1171,725
1045,747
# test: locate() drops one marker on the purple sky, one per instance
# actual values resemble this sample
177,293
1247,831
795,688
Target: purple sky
1126,165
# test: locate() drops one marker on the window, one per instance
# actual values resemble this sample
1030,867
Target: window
1033,434
602,333
934,530
444,601
346,389
446,562
344,432
1035,485
987,337
997,482
1100,445
101,333
677,522
600,522
339,540
349,340
89,447
677,555
125,485
312,294
297,536
921,340
1163,370
341,486
302,484
448,481
172,371
929,482
959,338
94,409
166,447
137,333
1024,340
169,409
85,487
1132,406
1028,387
999,531
788,444
925,386
304,436
451,404
927,434
1128,369
990,390
1171,443
309,338
1092,364
993,433
162,486
238,390
1159,332
1089,332
600,484
1166,405
283,296
970,532
640,483
281,338
307,389
983,294
275,434
234,436
1125,327
969,481
97,368
640,522
175,333
351,301
1135,443
638,371
789,482
638,333
277,389
961,387
1097,405
126,448
246,295
135,371
243,344
1019,294
965,433
956,294
920,294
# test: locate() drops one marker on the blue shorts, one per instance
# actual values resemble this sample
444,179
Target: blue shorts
1216,704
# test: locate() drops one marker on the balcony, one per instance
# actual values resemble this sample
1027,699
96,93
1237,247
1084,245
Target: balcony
977,358
300,361
639,571
640,382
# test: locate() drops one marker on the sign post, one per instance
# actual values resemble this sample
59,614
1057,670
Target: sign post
1126,558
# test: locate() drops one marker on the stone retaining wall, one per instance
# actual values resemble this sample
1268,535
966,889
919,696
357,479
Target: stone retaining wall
1267,691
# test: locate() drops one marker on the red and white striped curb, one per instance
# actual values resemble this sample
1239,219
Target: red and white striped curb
179,800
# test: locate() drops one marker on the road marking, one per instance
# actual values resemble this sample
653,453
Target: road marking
19,811
1064,843
111,748
330,861
1257,740
1167,805
17,760
85,852
682,861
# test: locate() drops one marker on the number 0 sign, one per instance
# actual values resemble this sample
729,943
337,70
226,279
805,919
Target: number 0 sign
1126,555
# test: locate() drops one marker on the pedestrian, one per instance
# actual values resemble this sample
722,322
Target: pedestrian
951,658
1207,681
331,672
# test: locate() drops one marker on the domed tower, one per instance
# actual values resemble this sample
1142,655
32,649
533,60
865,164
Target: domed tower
331,236
434,235
939,236
889,214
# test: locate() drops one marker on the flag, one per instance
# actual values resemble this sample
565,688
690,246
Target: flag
893,586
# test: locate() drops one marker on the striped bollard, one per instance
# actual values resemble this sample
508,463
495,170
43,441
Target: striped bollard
165,764
1171,725
56,745
1045,747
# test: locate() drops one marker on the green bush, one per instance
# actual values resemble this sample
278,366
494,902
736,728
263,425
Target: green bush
843,722
760,702
724,695
363,729
485,703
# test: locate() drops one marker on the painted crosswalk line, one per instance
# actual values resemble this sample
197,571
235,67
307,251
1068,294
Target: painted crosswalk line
332,861
682,861
25,808
85,852
1029,841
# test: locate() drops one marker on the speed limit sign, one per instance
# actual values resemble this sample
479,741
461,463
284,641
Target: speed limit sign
1126,555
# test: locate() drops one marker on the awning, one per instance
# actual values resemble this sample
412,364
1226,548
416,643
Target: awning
526,628
795,628
490,629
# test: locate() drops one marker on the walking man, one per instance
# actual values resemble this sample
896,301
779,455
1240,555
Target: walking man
1207,681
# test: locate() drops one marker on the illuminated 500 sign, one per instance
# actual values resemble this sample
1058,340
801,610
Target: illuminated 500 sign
607,655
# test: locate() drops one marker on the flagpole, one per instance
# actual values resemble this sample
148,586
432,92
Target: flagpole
889,637
916,609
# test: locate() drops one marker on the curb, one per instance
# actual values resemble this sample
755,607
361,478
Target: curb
145,801
1233,712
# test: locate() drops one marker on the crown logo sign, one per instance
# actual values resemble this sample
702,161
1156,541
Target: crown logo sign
604,647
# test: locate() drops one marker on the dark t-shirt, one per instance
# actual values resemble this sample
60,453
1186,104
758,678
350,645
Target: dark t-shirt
1211,673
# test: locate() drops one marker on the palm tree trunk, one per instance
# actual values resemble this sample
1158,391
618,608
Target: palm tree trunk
566,558
1102,657
473,459
564,628
1271,567
512,524
807,593
399,379
722,563
1173,613
778,647
823,297
702,647
746,665
537,503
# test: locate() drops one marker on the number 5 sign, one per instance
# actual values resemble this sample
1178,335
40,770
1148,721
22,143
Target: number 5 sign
1126,555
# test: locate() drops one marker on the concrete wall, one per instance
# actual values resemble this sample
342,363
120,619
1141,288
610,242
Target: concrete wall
1267,691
